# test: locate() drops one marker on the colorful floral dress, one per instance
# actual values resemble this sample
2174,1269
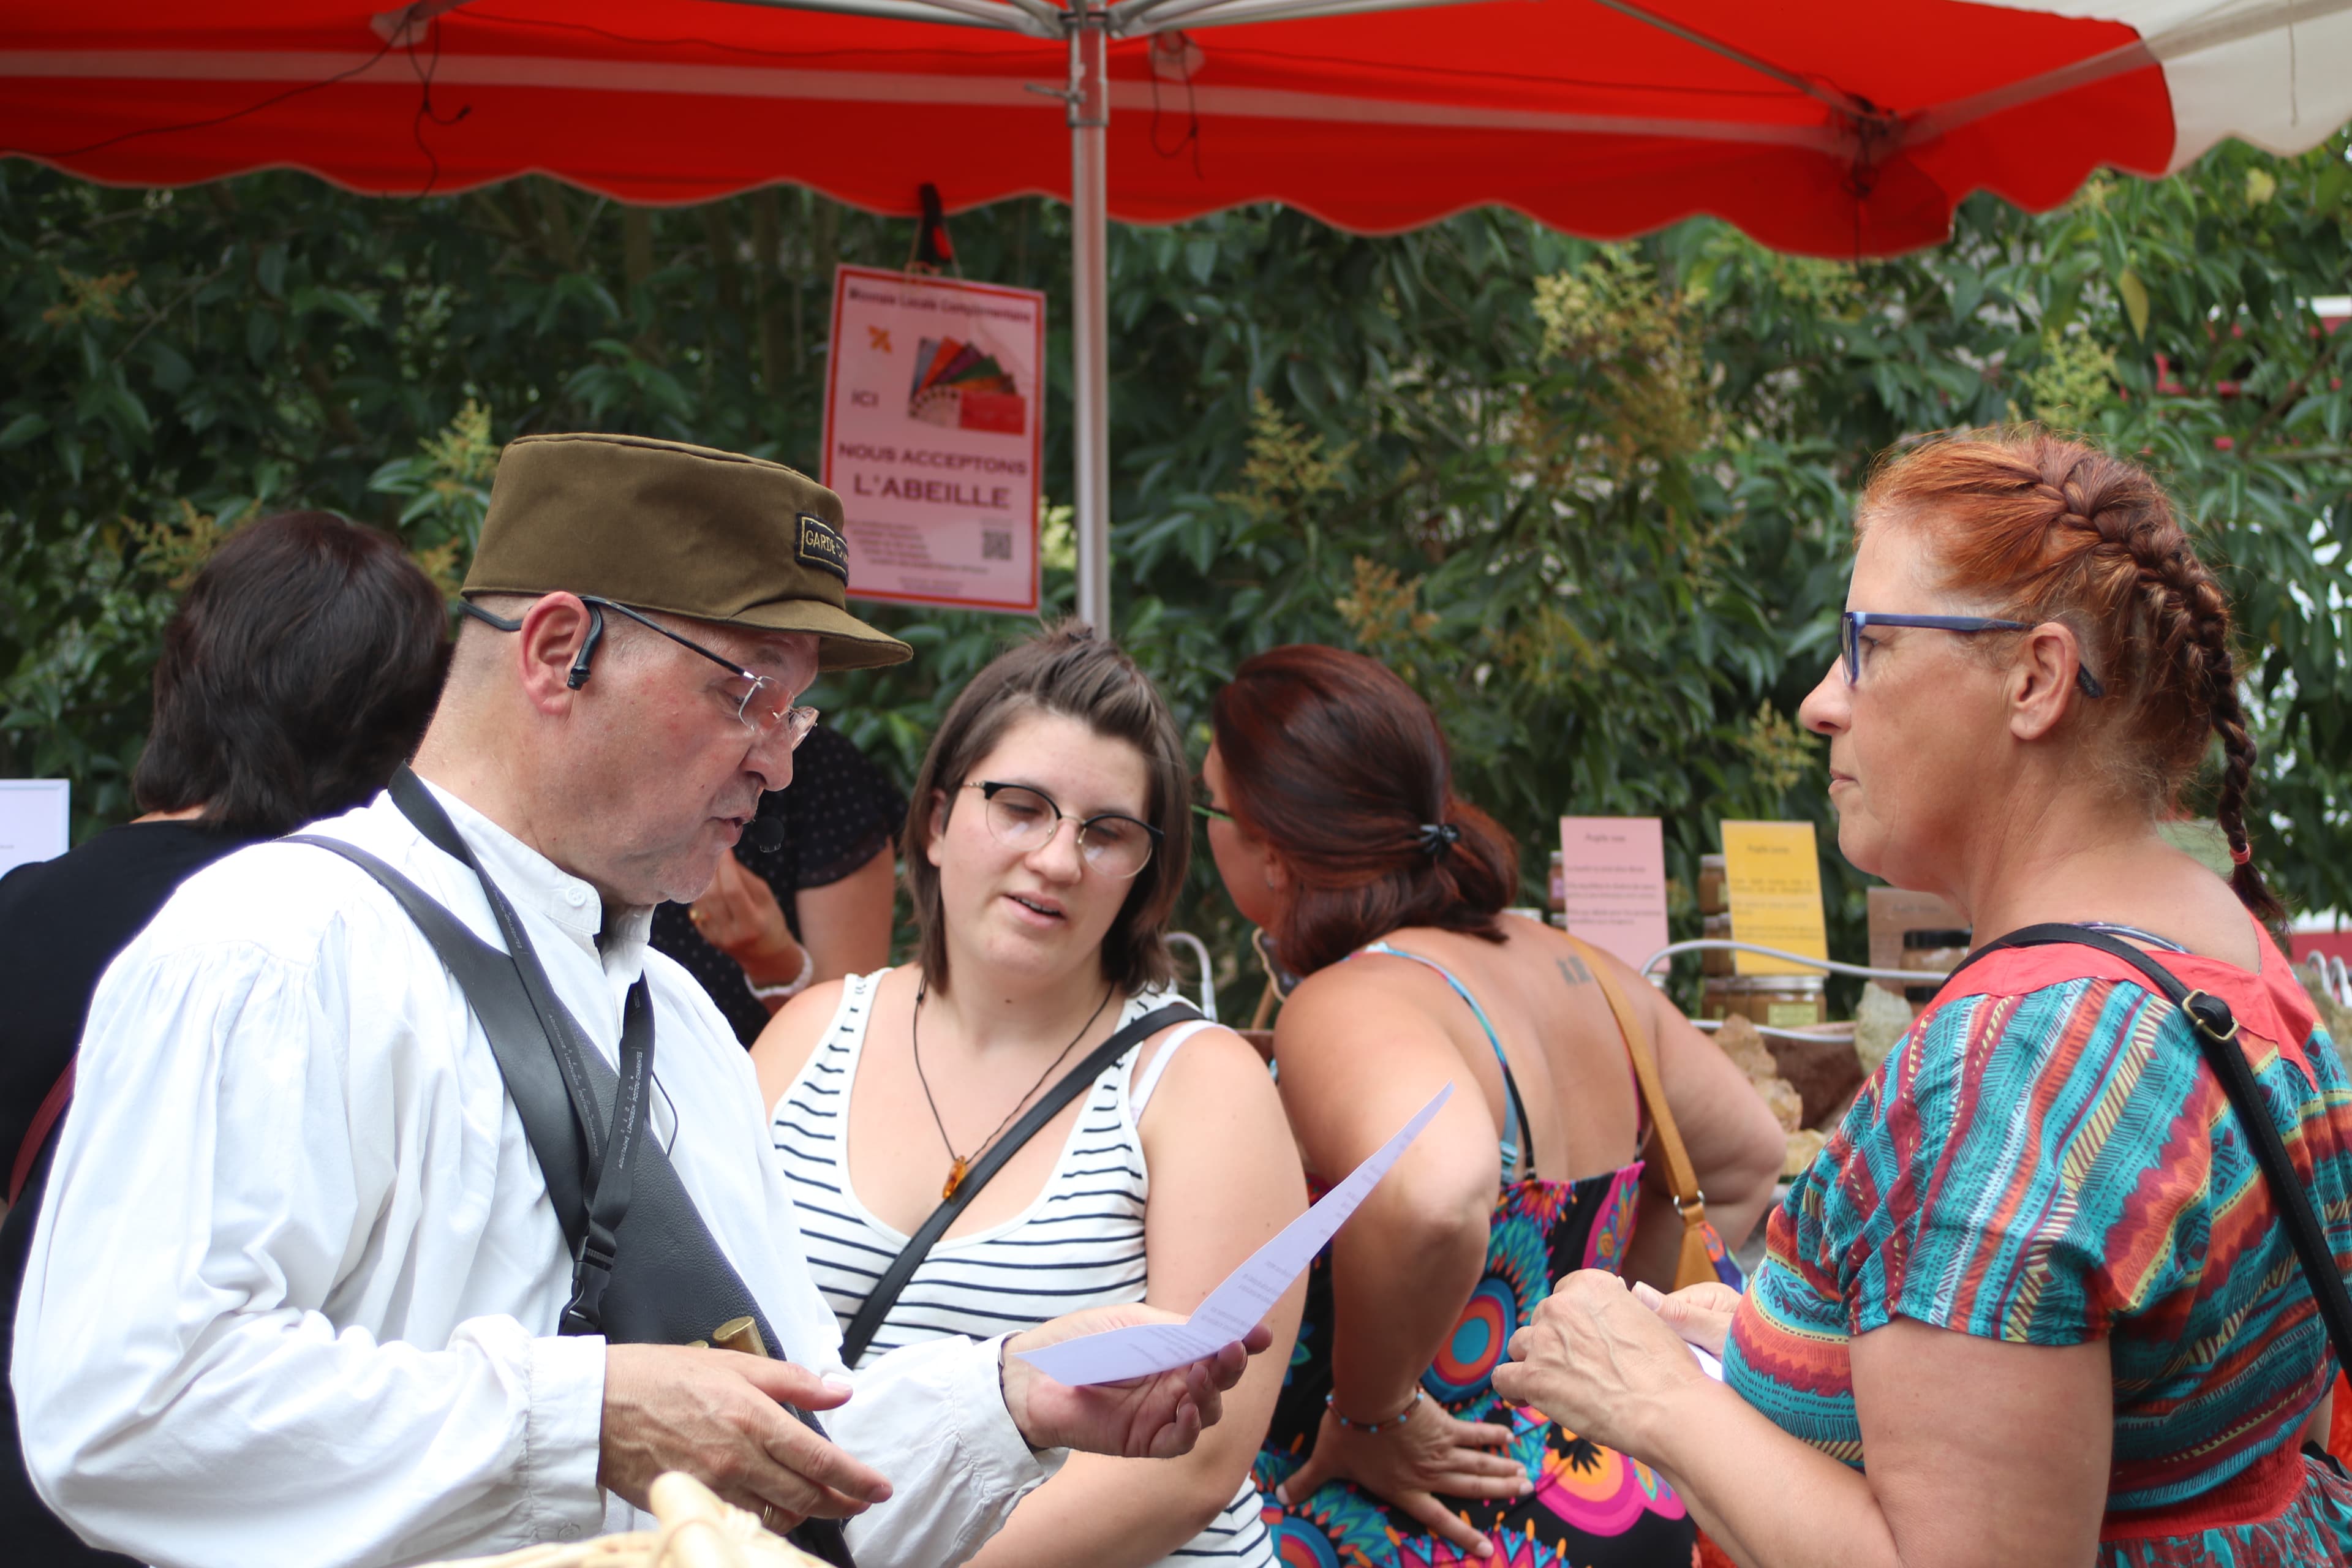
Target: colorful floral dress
1591,1506
2045,1159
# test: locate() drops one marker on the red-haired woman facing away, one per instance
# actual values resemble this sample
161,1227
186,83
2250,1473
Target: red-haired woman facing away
2037,1280
1335,826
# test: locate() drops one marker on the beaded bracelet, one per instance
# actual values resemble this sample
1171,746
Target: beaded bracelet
1369,1427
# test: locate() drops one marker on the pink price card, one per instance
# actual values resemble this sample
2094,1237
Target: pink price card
934,428
1613,870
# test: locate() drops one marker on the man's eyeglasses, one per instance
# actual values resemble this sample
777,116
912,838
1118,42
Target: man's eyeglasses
1026,819
1851,645
761,717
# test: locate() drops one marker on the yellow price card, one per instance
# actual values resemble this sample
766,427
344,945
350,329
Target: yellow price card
1773,874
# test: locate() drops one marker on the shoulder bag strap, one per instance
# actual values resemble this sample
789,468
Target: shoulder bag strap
2216,1029
885,1294
1694,1266
590,1206
536,1040
611,1156
424,814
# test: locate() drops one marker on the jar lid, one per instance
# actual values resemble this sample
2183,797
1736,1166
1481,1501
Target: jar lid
1779,985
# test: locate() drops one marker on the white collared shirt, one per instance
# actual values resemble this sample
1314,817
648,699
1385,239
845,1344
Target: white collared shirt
294,1291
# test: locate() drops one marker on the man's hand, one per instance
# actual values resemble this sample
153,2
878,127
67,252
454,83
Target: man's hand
1155,1418
719,1417
739,915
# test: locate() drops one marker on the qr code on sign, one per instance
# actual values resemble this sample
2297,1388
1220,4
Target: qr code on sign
996,544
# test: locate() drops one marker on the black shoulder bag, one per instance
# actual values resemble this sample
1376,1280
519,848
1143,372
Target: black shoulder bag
647,1269
2216,1035
886,1292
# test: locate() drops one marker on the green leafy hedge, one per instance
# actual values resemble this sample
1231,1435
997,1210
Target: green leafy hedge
1591,499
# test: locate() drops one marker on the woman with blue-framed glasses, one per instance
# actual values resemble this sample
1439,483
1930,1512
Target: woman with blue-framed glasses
2036,1301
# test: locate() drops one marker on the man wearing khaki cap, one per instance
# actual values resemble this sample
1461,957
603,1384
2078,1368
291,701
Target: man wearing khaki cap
332,1271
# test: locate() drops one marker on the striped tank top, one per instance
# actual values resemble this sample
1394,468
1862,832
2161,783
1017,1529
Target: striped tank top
1079,1244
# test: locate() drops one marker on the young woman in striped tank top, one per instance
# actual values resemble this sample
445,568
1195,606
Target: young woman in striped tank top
1049,836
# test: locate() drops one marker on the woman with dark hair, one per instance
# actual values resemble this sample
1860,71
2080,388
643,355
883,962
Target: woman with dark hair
2038,1282
1335,826
1048,838
296,675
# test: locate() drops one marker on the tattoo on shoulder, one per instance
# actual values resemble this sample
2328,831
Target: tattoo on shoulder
1571,968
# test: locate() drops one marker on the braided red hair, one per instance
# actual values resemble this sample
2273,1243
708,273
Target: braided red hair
2048,529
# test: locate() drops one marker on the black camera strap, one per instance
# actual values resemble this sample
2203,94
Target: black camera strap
2216,1029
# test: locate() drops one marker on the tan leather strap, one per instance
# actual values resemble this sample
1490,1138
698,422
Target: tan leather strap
1680,1176
1693,1263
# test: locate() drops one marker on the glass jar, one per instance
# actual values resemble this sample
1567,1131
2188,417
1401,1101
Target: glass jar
1775,1001
1937,952
1712,894
1786,1001
1715,960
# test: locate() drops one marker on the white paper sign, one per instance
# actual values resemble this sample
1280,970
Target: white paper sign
1241,1302
35,821
934,431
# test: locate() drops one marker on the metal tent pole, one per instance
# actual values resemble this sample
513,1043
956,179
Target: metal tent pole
1089,101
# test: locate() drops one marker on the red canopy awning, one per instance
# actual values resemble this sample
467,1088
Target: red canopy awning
1831,127
1838,128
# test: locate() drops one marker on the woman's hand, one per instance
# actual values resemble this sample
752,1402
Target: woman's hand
1599,1362
1701,1314
1409,1466
739,915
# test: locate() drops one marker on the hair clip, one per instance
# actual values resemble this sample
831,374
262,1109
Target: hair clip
2239,853
1437,837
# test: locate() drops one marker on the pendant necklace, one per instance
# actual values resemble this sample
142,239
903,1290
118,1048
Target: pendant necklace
960,1165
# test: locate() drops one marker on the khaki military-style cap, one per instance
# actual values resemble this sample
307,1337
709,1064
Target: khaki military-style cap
660,525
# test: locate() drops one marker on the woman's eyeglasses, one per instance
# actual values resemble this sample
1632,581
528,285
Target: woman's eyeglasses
1852,645
1026,819
1200,806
